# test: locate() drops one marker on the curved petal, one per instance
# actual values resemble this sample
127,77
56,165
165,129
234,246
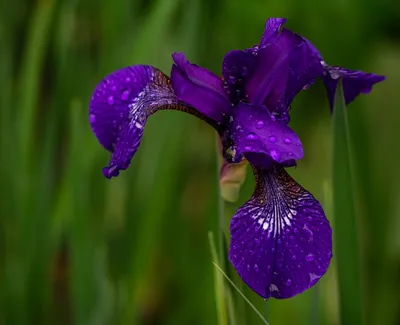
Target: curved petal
119,109
199,88
281,241
263,140
354,83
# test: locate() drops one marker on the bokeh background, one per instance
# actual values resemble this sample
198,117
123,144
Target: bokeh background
76,248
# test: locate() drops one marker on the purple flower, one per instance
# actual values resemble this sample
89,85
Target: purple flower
281,241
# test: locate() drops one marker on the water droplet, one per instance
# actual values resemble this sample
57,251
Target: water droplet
288,282
251,136
244,71
272,139
256,241
92,118
273,117
287,140
255,267
128,79
294,257
290,153
232,79
274,154
125,94
306,87
110,100
113,88
310,257
299,266
334,74
248,267
259,124
248,148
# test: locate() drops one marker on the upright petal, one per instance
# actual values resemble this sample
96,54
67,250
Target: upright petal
199,88
283,69
119,109
238,65
271,31
236,68
281,241
262,139
354,83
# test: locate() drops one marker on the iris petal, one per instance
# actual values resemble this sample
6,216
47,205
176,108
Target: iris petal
271,31
354,83
283,69
239,65
281,241
199,88
119,109
262,139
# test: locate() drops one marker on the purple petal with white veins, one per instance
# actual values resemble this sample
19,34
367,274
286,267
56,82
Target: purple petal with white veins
119,109
354,83
281,241
199,88
262,139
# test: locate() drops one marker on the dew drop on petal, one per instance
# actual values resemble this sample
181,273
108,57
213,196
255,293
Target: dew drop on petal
288,282
310,257
334,75
110,100
92,118
274,154
248,148
125,94
256,268
294,257
259,124
287,140
273,118
248,267
257,241
251,136
272,139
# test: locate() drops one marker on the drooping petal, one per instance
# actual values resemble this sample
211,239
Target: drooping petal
119,109
354,83
281,241
262,139
199,88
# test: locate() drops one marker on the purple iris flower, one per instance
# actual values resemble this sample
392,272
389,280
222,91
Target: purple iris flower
281,241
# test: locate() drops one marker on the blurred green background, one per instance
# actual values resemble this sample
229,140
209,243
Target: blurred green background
76,248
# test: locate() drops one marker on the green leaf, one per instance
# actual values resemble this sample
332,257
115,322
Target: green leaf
244,297
345,225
